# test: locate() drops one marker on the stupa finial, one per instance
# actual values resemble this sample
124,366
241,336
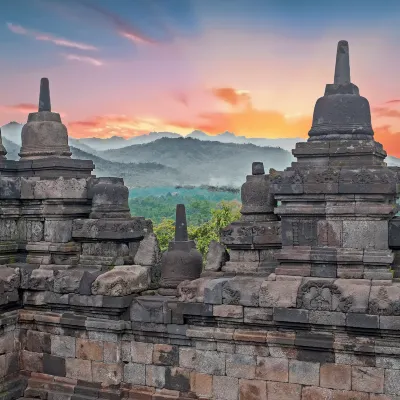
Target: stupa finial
181,234
44,95
342,68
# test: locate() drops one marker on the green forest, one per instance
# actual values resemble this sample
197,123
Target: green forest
208,210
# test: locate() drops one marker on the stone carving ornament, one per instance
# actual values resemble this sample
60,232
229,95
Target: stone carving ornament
323,296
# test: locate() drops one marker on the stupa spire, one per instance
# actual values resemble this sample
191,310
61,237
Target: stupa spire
44,95
342,67
181,234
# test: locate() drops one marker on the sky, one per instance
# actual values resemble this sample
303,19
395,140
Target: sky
251,67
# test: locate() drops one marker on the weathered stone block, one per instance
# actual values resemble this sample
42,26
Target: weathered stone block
280,390
148,253
165,354
201,384
177,379
304,373
155,376
335,376
217,256
365,234
58,231
63,346
78,369
122,281
135,374
141,352
89,350
228,311
213,290
392,381
279,293
252,390
313,392
272,369
107,374
210,362
225,388
367,379
240,366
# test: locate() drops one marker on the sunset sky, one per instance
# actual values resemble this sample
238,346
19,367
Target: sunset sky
251,67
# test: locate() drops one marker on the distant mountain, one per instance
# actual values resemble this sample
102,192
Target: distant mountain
229,137
12,149
117,142
208,163
12,132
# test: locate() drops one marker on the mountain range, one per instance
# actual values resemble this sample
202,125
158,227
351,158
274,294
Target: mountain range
168,159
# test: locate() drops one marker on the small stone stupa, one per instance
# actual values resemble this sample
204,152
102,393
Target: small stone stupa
255,238
182,261
44,135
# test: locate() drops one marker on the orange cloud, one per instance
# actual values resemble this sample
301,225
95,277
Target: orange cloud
22,107
88,60
389,139
232,96
58,41
385,112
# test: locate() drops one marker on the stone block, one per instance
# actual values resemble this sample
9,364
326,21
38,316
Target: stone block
155,376
304,373
281,390
252,350
350,395
356,291
201,384
165,354
148,253
318,340
335,376
78,369
53,365
250,336
213,290
58,230
210,362
392,382
107,374
141,352
187,357
122,281
370,234
60,188
41,279
327,318
272,369
281,293
150,309
75,281
177,378
228,311
225,388
31,361
290,315
242,290
365,321
252,390
217,256
135,374
367,379
112,352
38,342
313,392
63,346
240,366
89,350
257,315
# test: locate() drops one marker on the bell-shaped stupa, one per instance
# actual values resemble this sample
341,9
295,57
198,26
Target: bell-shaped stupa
341,113
44,135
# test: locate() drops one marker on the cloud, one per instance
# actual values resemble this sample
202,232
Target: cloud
181,98
395,101
89,60
232,96
22,107
122,27
389,139
58,41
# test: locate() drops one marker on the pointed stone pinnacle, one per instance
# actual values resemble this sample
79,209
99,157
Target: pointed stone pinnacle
342,68
44,96
181,234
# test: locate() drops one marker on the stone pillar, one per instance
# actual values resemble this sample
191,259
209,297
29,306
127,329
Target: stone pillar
3,151
255,238
338,198
182,261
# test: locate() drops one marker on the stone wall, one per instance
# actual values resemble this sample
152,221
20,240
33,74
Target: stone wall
69,356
